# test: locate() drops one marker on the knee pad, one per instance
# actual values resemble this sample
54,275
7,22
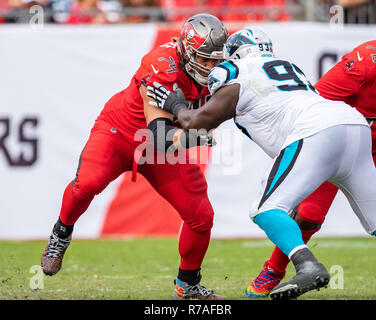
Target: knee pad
312,212
196,211
193,179
308,217
201,215
88,187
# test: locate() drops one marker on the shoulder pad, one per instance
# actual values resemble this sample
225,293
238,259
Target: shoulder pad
162,59
159,67
222,74
162,64
171,44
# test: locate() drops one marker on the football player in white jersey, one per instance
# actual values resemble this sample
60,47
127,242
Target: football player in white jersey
312,140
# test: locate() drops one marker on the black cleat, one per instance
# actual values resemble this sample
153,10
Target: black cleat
313,275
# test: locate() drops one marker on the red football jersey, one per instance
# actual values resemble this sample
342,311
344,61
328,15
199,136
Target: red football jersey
353,79
125,110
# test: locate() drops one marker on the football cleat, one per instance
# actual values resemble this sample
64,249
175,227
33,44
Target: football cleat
53,254
310,275
184,291
264,282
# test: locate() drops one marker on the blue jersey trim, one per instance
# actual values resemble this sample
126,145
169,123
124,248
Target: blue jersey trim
231,69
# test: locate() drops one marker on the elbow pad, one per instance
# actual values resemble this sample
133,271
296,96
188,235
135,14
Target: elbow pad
162,134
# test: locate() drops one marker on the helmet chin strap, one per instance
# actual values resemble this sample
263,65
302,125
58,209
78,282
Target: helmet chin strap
200,79
193,68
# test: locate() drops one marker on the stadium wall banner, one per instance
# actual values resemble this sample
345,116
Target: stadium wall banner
55,80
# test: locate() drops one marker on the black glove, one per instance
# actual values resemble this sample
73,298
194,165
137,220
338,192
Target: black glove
171,102
193,138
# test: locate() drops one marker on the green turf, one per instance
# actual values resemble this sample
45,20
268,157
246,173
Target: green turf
145,268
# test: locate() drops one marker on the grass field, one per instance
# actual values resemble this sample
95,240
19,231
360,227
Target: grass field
145,268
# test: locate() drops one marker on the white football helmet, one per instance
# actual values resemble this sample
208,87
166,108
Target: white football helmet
248,42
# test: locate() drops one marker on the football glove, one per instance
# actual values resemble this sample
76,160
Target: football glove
165,99
193,138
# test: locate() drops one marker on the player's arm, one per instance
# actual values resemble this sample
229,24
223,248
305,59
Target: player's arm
220,107
159,119
150,112
164,133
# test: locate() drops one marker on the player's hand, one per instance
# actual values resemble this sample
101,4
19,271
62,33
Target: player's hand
193,138
165,99
208,140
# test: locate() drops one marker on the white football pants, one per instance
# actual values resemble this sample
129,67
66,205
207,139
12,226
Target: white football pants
340,154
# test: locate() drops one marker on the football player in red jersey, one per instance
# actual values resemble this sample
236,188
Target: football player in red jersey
118,131
352,80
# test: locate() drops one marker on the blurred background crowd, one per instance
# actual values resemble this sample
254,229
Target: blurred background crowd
139,11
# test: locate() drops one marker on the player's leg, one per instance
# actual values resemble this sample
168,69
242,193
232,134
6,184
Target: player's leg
100,162
309,215
105,156
184,187
298,171
357,175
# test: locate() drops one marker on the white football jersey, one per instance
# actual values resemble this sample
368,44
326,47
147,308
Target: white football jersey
277,104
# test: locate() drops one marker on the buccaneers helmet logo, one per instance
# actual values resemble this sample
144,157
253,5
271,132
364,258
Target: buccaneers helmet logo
191,38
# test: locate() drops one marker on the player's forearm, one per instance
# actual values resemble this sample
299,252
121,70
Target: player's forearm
167,138
195,119
220,107
162,133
